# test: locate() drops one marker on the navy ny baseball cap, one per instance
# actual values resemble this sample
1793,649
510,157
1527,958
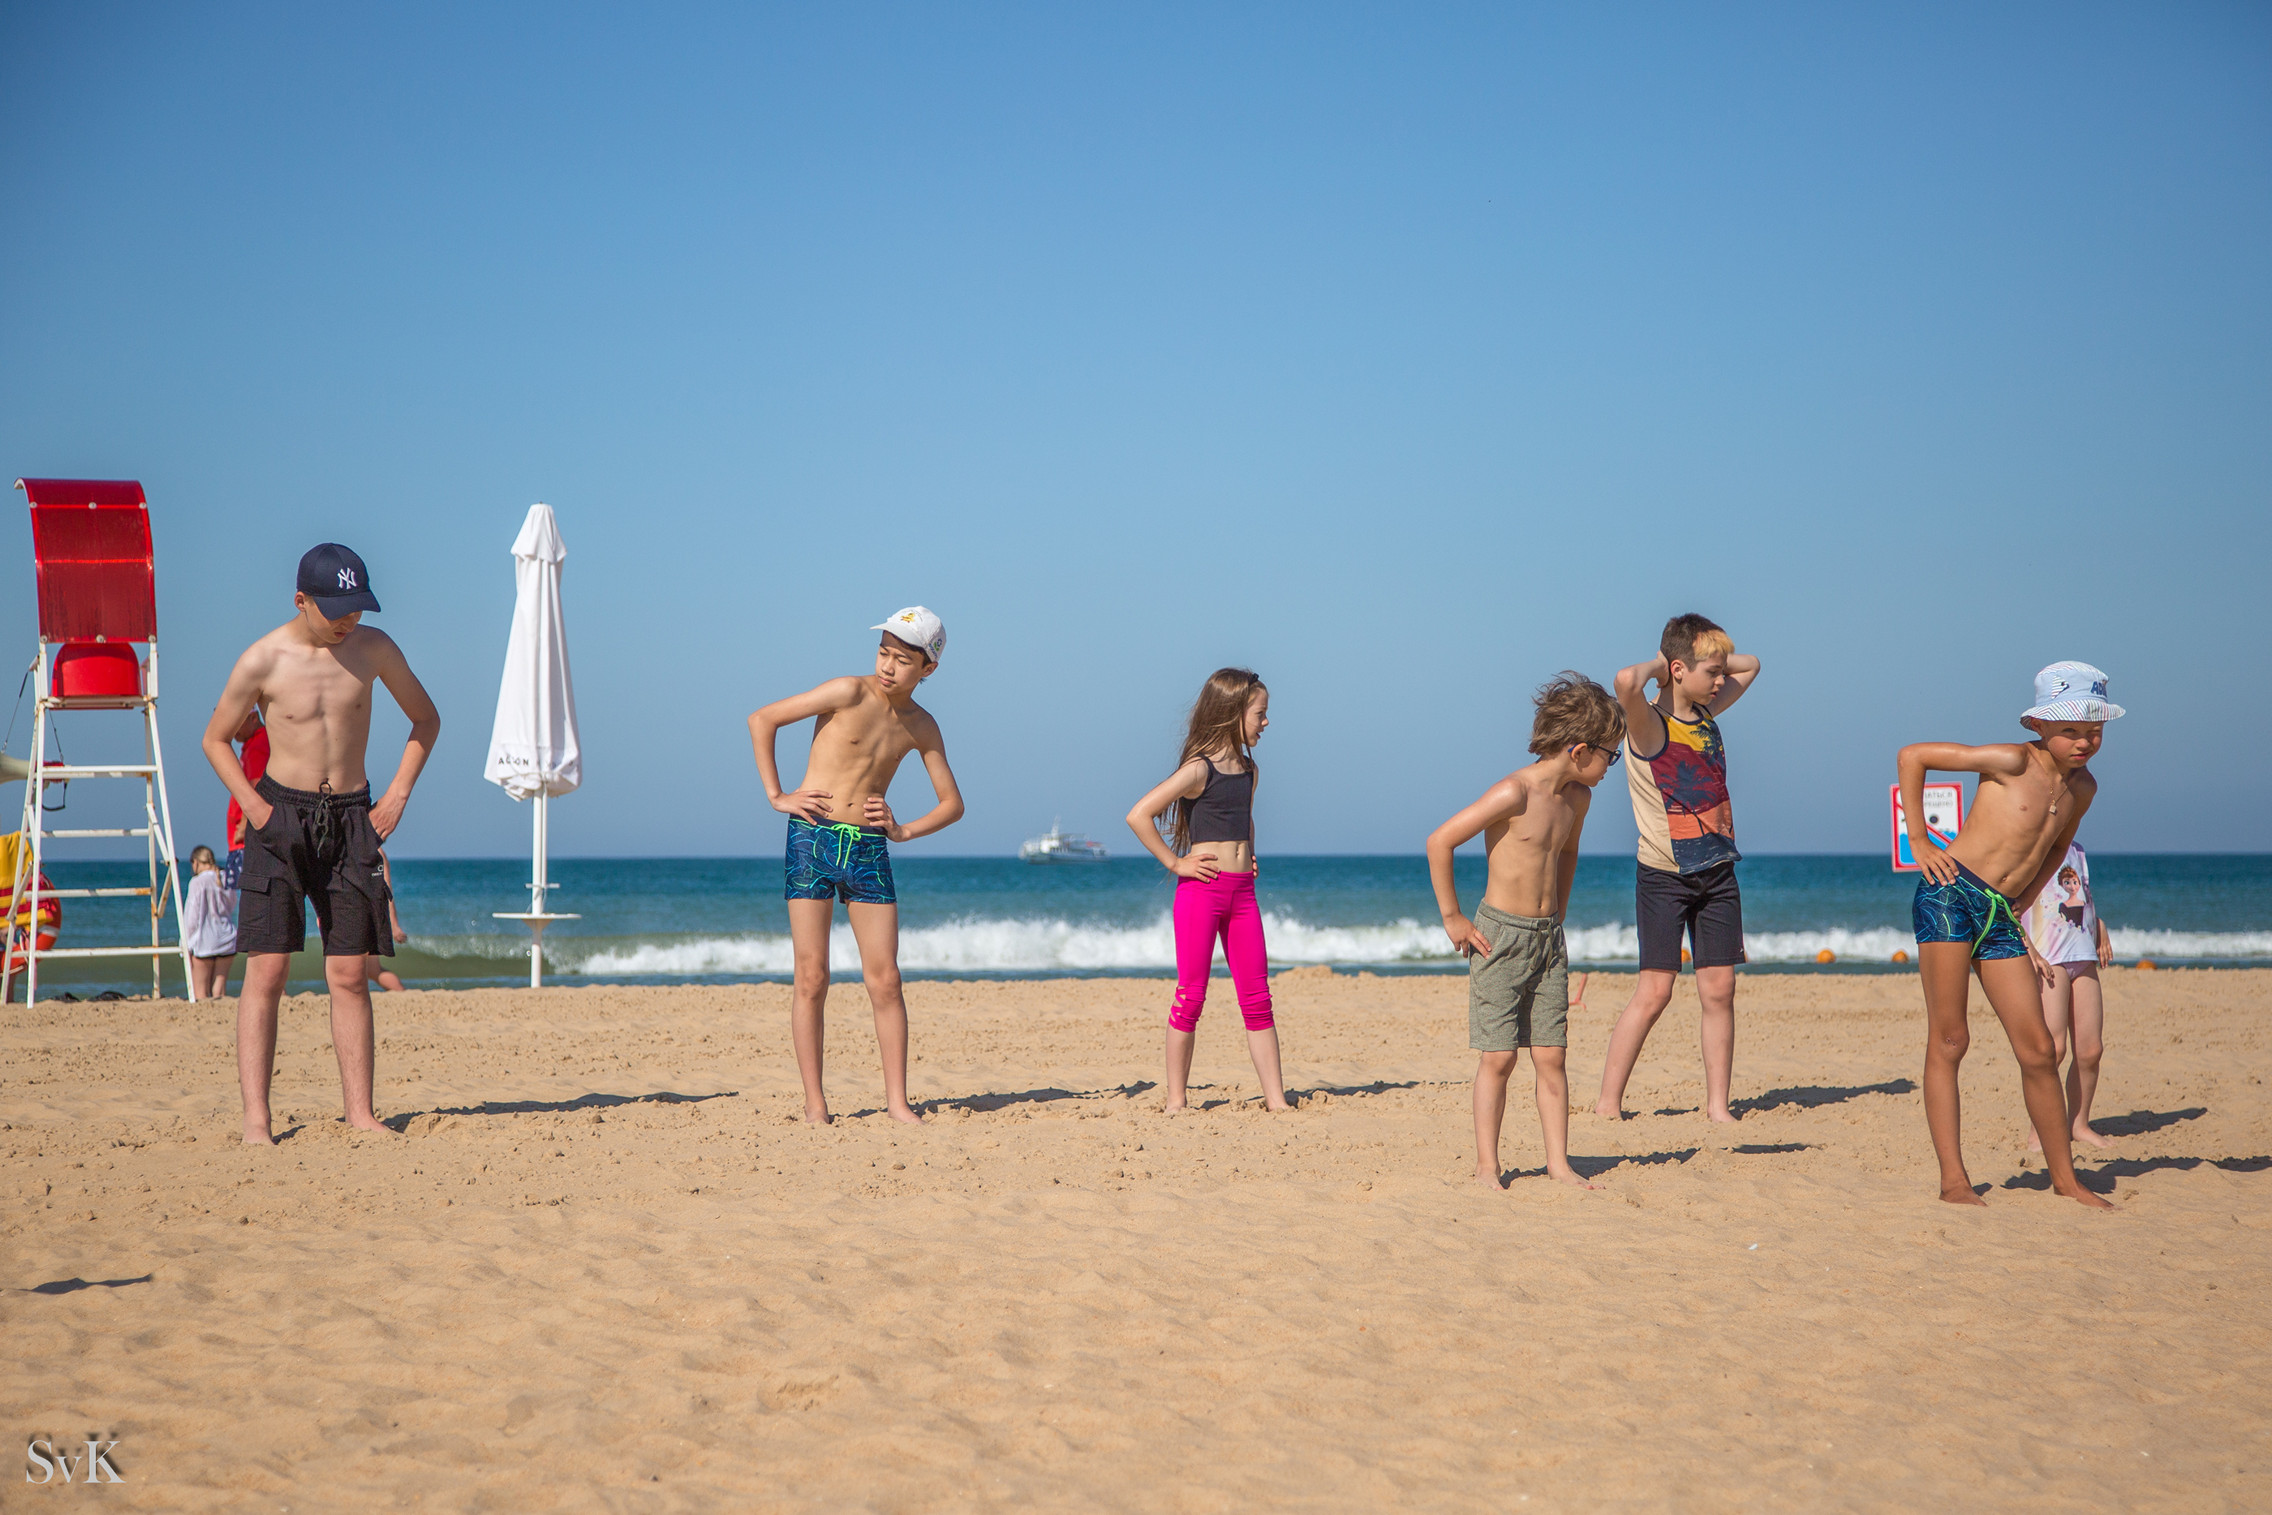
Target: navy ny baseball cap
333,577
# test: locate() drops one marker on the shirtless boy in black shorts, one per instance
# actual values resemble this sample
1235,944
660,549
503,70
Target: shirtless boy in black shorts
313,829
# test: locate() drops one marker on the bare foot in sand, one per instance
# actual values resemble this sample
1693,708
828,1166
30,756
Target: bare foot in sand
1723,1117
1179,1107
2089,1138
817,1115
905,1116
257,1133
1281,1105
1962,1195
2082,1196
1570,1176
1489,1178
1608,1111
371,1123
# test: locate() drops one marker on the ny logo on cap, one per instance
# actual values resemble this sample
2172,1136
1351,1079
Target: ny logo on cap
347,578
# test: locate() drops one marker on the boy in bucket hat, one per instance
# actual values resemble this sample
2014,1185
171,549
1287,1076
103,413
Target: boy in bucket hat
313,827
840,826
2031,797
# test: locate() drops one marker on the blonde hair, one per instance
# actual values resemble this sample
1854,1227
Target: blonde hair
1691,639
1218,723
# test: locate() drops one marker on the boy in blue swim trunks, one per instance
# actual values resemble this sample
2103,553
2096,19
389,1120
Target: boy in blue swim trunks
840,826
2030,799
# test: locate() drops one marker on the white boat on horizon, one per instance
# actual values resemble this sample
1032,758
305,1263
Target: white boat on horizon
1058,846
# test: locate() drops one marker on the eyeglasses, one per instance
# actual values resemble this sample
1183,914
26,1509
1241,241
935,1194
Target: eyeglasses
1614,752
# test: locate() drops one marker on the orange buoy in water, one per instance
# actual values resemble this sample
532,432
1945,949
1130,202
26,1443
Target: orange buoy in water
1901,957
2146,963
1826,956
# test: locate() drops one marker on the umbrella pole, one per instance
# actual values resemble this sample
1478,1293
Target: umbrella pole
537,893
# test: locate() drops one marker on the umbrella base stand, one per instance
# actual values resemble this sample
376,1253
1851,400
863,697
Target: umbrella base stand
536,924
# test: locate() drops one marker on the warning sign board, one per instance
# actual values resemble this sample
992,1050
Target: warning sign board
1944,818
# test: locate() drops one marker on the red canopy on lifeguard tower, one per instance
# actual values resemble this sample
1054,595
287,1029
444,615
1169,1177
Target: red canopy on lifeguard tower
91,542
97,594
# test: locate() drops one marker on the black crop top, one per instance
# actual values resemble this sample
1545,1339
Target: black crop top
1224,811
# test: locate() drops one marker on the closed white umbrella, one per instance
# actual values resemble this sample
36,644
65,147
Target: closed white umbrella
533,751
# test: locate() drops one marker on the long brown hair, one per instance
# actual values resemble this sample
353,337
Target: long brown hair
1218,720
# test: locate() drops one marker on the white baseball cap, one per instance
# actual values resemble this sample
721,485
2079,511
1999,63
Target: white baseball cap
917,627
2071,692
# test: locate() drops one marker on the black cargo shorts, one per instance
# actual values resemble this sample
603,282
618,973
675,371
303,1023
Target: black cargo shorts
317,847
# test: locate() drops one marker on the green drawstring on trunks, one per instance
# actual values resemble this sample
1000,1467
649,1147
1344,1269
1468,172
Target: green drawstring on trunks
1996,901
846,835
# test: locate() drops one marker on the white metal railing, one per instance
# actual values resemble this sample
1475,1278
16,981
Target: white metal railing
157,831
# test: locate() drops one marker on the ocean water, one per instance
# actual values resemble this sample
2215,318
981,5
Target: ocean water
678,920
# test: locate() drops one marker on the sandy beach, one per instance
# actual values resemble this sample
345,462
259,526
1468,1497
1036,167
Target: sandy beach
605,1267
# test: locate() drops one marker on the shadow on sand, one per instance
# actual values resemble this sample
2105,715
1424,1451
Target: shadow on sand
74,1285
1815,1096
2099,1178
2139,1122
551,1106
1595,1167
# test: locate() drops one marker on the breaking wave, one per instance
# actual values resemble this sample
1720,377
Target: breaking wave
992,945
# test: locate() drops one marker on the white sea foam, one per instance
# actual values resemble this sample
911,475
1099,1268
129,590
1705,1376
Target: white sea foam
984,945
980,945
2196,944
987,945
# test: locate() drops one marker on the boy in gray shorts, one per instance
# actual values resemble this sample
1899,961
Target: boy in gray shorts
1518,972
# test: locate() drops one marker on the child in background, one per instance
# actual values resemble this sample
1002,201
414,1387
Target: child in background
375,969
252,736
2072,940
1518,969
1211,853
208,926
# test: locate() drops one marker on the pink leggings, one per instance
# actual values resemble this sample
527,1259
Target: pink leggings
1221,907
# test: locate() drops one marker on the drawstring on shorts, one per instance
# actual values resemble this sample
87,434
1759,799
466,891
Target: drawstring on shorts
325,836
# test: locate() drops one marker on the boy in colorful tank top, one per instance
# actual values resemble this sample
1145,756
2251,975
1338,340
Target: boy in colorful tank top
1677,770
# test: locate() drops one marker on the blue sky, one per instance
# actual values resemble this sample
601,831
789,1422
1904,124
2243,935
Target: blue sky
1406,354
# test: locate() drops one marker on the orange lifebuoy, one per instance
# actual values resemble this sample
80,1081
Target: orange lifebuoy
21,929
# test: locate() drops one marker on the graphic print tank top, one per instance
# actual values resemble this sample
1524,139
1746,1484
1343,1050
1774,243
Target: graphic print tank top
2063,923
1680,798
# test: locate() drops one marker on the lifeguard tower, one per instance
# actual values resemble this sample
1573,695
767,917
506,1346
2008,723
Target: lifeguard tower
97,598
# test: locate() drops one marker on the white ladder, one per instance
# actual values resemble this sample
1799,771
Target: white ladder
157,830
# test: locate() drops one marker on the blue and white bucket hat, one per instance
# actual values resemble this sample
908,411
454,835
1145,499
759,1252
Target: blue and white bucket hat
2071,692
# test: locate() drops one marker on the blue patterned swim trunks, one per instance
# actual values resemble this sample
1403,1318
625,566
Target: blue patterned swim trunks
1967,911
839,861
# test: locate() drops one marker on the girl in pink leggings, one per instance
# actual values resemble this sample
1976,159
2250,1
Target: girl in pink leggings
1210,850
